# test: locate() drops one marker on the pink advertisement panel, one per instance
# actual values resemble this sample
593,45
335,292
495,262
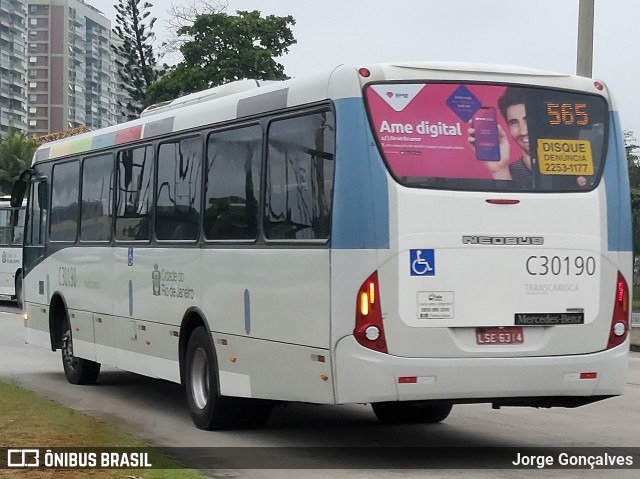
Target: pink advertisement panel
443,130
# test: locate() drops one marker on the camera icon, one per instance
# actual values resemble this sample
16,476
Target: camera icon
23,457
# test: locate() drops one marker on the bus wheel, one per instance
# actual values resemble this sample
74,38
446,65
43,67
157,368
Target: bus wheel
411,412
209,410
77,370
18,290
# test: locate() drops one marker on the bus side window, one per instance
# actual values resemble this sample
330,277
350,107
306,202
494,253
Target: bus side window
5,227
96,206
300,169
18,226
64,201
134,195
233,184
178,195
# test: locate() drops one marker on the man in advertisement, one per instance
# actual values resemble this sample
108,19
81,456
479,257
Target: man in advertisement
512,107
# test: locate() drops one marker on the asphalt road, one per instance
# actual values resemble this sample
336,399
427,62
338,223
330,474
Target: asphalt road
156,411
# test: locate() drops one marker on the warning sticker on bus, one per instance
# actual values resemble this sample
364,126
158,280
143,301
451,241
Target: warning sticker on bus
565,157
435,304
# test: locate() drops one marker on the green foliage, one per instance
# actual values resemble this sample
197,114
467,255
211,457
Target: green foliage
134,54
16,153
635,217
632,149
633,161
225,48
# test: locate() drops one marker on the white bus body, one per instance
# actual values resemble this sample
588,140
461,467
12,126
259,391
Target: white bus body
11,231
369,257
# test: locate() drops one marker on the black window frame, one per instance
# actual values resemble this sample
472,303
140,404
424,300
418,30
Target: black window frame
49,239
113,188
15,224
8,228
152,206
201,135
263,120
205,177
325,108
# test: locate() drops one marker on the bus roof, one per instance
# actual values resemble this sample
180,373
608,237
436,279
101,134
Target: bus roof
251,97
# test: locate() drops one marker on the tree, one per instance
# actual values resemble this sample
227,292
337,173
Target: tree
225,48
134,54
633,161
16,153
184,15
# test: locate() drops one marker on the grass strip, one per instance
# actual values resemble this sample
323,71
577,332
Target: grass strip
28,420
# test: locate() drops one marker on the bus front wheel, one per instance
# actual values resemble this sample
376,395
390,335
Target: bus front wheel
19,289
77,370
404,412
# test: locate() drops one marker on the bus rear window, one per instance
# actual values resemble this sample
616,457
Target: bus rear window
489,137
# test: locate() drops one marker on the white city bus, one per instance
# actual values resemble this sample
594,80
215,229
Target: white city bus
411,236
11,232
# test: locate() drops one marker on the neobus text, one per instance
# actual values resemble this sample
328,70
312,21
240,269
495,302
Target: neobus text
503,240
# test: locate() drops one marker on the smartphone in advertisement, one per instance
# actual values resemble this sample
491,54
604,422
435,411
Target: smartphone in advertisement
487,142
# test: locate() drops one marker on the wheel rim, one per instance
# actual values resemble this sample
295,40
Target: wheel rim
200,378
70,362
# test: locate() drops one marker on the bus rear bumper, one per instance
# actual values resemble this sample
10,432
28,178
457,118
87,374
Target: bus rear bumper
365,376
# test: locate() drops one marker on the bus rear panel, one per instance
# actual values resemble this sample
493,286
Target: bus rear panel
506,274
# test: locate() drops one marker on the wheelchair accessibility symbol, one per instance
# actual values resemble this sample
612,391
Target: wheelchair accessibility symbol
422,262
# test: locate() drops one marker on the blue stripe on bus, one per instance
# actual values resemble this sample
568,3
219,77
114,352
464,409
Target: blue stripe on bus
360,200
616,179
102,141
130,298
247,312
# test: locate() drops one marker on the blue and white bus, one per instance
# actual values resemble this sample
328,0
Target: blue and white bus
411,236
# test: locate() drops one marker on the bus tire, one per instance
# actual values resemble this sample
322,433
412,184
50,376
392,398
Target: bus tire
77,370
19,293
415,412
209,410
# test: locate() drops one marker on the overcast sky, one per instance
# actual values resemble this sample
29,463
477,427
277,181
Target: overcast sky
531,33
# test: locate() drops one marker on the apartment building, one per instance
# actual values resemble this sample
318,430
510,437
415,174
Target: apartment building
119,94
70,62
12,65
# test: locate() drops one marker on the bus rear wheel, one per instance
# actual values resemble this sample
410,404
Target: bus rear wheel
415,412
77,370
209,410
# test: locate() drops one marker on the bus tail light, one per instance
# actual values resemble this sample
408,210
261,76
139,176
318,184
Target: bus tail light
369,331
620,320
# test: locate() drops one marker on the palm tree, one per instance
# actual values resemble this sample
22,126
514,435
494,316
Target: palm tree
16,153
